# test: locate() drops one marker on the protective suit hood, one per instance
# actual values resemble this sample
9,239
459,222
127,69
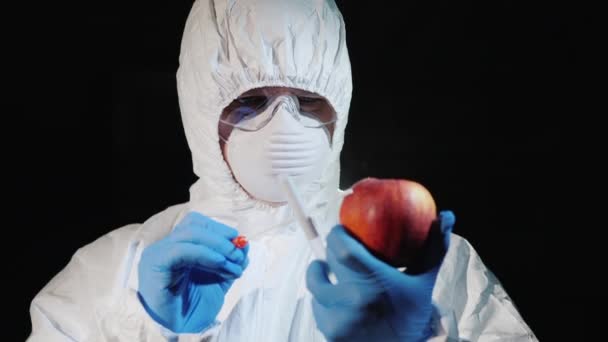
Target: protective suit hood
230,47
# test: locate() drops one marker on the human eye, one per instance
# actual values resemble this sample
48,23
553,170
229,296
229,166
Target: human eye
308,100
252,101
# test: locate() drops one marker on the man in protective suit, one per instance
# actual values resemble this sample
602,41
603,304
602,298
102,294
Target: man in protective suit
264,89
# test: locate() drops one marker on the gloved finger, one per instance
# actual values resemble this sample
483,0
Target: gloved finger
245,249
184,254
200,220
342,272
437,244
200,276
194,233
245,261
226,284
319,284
350,252
448,220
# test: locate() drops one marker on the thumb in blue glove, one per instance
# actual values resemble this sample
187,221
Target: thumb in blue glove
374,301
184,277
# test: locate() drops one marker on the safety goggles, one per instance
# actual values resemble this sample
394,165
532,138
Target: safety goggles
252,112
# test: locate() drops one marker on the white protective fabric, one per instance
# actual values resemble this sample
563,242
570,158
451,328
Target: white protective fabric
230,47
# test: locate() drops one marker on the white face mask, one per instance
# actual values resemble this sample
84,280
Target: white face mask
283,146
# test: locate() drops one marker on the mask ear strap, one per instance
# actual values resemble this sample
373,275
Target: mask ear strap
226,123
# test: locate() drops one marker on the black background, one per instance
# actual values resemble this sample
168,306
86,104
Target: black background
478,100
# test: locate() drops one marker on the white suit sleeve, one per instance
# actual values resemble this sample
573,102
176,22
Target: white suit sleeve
87,301
472,304
94,298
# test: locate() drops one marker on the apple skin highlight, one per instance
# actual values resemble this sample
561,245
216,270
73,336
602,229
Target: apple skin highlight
390,217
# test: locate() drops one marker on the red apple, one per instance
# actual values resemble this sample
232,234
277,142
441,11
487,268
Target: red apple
391,217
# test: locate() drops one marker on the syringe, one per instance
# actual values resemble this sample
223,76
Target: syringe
306,222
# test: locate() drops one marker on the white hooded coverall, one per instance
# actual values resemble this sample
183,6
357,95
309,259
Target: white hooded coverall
229,47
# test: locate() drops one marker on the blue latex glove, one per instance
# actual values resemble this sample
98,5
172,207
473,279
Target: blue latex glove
372,300
183,277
